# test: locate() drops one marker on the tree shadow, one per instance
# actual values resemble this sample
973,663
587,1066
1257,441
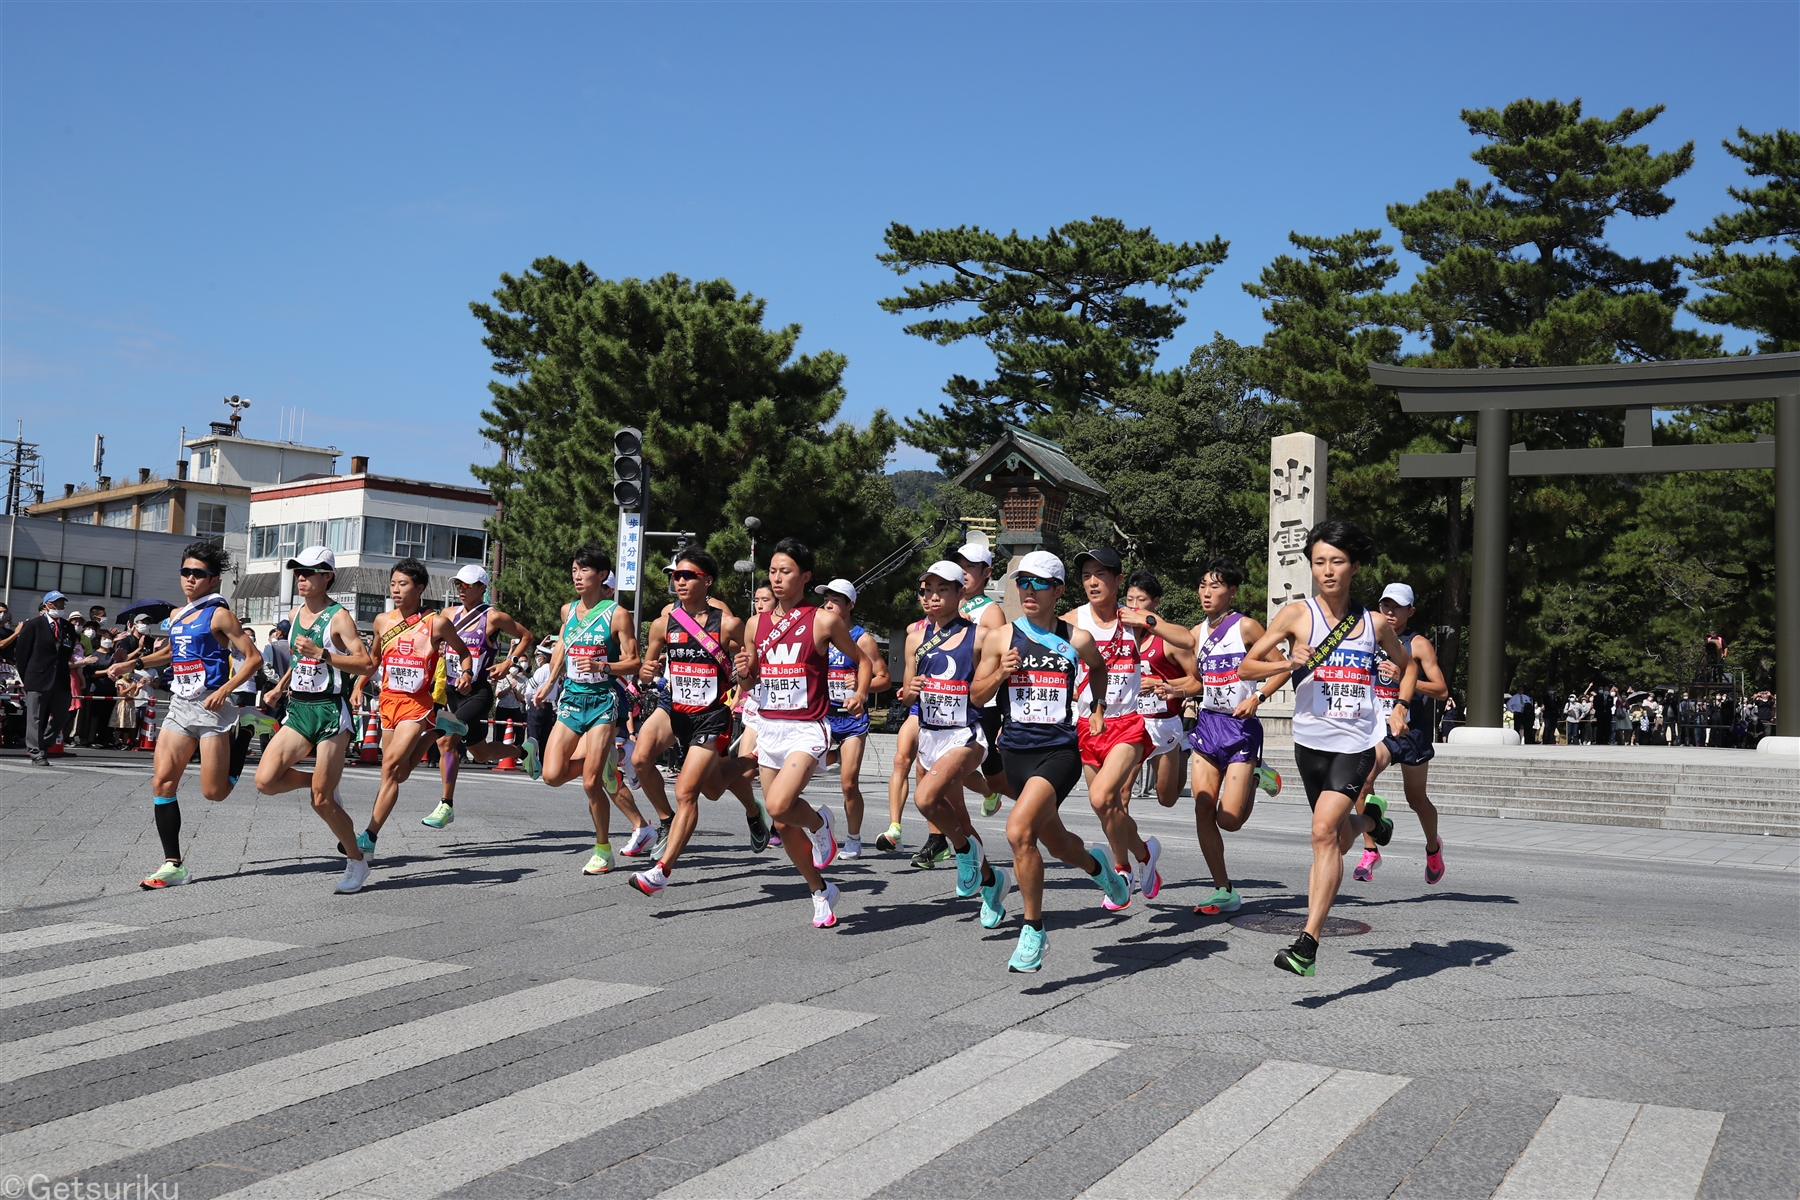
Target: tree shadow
1417,961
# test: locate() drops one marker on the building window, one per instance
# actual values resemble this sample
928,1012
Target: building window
369,606
378,535
449,544
209,520
123,578
77,580
343,534
155,518
409,539
118,516
257,609
93,581
25,572
84,517
205,459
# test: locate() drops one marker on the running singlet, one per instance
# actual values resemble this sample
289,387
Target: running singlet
840,673
972,608
1040,695
1118,646
199,664
472,627
311,677
1388,691
944,678
409,657
697,682
791,668
1334,707
587,639
1221,652
1155,662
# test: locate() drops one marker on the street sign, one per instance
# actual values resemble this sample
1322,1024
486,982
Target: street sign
630,557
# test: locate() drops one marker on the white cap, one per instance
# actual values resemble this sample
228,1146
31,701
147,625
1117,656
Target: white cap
840,587
472,573
314,557
976,552
946,570
1041,563
1399,593
612,580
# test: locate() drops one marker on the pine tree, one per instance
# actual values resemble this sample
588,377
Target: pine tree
1759,291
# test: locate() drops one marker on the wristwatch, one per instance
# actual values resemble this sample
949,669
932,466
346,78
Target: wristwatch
1150,620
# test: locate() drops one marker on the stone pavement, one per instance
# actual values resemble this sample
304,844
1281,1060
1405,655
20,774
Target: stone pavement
1574,1011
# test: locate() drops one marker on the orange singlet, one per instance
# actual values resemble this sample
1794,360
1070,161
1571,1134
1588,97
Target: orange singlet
408,669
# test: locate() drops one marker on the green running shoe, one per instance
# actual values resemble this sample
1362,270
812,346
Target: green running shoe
440,816
533,768
1383,833
166,876
1116,886
1268,779
609,774
993,899
935,850
1300,957
890,841
1225,899
601,862
1028,955
990,804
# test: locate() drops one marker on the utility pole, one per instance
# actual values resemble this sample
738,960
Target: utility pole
25,468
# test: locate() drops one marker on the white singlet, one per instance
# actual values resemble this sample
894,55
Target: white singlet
1219,669
1118,646
1334,707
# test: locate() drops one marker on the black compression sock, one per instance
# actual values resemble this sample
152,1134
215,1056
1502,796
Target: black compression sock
168,826
1037,924
449,802
987,874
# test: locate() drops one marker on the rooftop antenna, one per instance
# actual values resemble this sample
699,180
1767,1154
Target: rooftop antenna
99,454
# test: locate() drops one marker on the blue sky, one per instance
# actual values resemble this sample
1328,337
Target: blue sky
298,202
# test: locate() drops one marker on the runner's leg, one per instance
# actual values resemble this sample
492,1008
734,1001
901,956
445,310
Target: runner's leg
1033,823
1420,803
1109,792
563,750
594,746
781,794
173,751
654,738
275,774
327,769
401,750
850,756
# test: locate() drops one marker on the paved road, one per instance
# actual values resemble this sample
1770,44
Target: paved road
1573,1015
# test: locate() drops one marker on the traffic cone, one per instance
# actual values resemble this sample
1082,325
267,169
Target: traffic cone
56,747
370,756
511,761
147,729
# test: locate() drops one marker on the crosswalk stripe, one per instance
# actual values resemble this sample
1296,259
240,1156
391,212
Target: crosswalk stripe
1278,1160
101,1135
1585,1143
190,1018
448,1153
57,935
863,1147
124,968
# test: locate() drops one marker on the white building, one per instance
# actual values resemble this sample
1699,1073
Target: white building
370,522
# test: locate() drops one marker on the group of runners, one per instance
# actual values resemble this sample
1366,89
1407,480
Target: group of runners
997,710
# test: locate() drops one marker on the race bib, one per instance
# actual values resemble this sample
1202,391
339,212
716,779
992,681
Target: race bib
309,675
840,684
187,679
1220,677
693,685
783,687
587,664
405,673
1118,684
1341,688
1038,697
944,701
1149,703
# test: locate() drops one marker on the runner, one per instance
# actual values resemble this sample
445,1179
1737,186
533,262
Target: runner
844,678
977,561
1109,759
1165,660
201,632
743,748
1227,737
697,637
940,667
325,654
906,754
1411,749
1336,723
597,645
785,657
1036,669
476,622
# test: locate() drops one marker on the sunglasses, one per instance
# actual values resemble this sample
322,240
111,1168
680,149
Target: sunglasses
1031,583
200,573
299,572
684,576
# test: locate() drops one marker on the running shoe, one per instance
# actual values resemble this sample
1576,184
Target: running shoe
1365,870
365,841
662,837
993,898
824,844
602,860
824,912
1107,903
449,724
1300,957
1434,864
1222,900
1383,833
1028,955
968,870
356,874
609,774
260,721
1268,779
440,816
533,768
759,828
1114,882
990,804
889,842
638,844
651,882
166,876
852,847
935,850
774,838
1148,880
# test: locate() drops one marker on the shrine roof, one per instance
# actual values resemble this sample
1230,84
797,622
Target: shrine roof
1018,447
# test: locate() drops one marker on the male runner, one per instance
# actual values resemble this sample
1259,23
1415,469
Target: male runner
325,654
1336,722
1110,758
695,638
1036,668
784,656
1411,749
977,561
1165,660
906,754
200,633
850,733
597,644
940,669
476,622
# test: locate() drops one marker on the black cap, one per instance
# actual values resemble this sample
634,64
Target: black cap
1106,556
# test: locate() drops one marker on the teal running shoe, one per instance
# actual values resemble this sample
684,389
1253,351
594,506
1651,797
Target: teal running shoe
449,724
533,768
1116,886
1028,955
990,804
440,816
968,870
1222,900
993,898
366,843
1383,833
1268,779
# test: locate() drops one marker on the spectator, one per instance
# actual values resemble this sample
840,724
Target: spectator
1451,719
46,644
1526,723
97,700
276,652
1622,722
9,633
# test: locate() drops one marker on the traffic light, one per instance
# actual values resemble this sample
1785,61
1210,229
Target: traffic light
628,469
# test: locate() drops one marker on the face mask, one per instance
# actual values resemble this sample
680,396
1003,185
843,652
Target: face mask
106,643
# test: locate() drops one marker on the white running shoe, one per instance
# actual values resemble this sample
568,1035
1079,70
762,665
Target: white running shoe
1147,880
356,874
824,912
824,845
639,845
852,847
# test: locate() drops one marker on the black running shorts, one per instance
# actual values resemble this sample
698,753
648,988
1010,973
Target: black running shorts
472,710
1412,748
1060,766
1324,771
709,730
990,724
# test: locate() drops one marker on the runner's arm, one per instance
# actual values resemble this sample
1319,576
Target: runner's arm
1264,659
162,656
352,662
879,679
1431,674
1168,631
909,681
998,660
744,665
653,650
1089,653
1409,674
444,633
499,622
629,661
227,628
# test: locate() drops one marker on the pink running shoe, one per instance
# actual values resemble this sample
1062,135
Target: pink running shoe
1434,863
1365,870
1106,902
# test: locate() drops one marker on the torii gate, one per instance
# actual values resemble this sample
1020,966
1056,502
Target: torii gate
1639,388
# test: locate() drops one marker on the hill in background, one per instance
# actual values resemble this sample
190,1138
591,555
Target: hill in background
913,488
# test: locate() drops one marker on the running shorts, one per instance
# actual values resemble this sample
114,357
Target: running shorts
1223,739
191,718
990,728
318,720
472,710
709,730
1059,766
935,743
1165,735
1412,748
777,740
1328,771
1124,730
846,726
399,707
582,711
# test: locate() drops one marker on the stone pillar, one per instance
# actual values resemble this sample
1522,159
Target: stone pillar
1297,471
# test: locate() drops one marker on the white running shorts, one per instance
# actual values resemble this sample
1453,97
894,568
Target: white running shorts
190,718
935,743
776,740
1165,735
